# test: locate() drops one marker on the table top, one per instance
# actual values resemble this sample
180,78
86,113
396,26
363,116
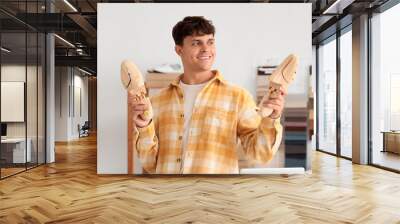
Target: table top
391,132
13,140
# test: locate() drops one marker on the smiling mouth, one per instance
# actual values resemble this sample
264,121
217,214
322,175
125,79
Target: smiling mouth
204,57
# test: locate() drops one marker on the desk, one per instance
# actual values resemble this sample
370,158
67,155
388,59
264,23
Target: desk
391,141
15,148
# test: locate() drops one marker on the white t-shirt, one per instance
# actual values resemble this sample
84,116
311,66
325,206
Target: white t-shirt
190,93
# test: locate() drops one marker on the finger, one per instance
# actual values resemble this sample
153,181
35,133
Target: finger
142,123
273,96
277,96
266,104
138,104
274,115
280,98
143,117
283,91
274,107
135,114
274,102
134,98
275,93
140,107
139,115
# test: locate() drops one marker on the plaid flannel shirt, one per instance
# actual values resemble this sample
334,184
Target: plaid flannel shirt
222,113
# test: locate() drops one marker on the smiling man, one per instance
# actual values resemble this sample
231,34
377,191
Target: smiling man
200,117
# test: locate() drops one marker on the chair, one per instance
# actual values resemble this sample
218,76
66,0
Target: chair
84,130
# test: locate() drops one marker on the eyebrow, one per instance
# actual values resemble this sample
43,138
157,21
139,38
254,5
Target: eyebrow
201,40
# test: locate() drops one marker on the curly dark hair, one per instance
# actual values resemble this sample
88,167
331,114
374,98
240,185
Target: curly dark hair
192,25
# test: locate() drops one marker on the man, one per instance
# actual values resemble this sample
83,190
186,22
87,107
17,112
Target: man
200,116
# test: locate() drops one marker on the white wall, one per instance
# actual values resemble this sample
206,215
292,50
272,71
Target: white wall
263,33
66,121
61,103
80,82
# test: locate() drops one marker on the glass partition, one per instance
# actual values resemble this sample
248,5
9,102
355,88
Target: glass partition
327,96
41,107
22,88
31,100
13,103
346,93
385,89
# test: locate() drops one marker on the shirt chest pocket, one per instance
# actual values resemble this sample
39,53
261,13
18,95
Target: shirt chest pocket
217,128
217,121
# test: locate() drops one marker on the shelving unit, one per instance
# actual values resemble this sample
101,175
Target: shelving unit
262,81
157,81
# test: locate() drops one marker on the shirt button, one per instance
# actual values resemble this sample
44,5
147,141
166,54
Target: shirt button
180,137
178,160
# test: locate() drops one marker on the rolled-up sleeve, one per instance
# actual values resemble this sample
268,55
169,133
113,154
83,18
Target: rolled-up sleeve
147,147
260,137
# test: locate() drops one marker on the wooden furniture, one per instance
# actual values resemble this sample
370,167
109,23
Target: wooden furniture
310,107
295,136
157,81
391,141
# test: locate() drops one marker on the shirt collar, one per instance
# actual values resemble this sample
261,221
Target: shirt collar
217,77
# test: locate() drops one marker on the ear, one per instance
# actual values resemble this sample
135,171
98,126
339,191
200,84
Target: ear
178,50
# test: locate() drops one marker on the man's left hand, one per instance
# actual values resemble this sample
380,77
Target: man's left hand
276,103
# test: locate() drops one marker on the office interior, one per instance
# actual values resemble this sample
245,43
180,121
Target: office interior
48,82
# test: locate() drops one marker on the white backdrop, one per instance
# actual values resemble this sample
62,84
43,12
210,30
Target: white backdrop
247,35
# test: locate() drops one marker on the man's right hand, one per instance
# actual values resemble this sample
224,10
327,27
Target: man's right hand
138,109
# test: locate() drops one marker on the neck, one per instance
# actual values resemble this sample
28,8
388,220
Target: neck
193,78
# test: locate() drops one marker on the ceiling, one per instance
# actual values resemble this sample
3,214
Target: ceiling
76,22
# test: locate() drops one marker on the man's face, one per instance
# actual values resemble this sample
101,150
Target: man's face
197,52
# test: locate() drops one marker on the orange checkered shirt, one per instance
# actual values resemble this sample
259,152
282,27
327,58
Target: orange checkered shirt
222,114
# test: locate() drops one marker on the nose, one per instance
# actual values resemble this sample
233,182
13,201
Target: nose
204,48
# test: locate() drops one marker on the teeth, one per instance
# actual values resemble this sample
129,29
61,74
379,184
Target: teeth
203,58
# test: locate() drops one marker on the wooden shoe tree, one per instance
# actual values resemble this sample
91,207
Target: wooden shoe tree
282,76
132,80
